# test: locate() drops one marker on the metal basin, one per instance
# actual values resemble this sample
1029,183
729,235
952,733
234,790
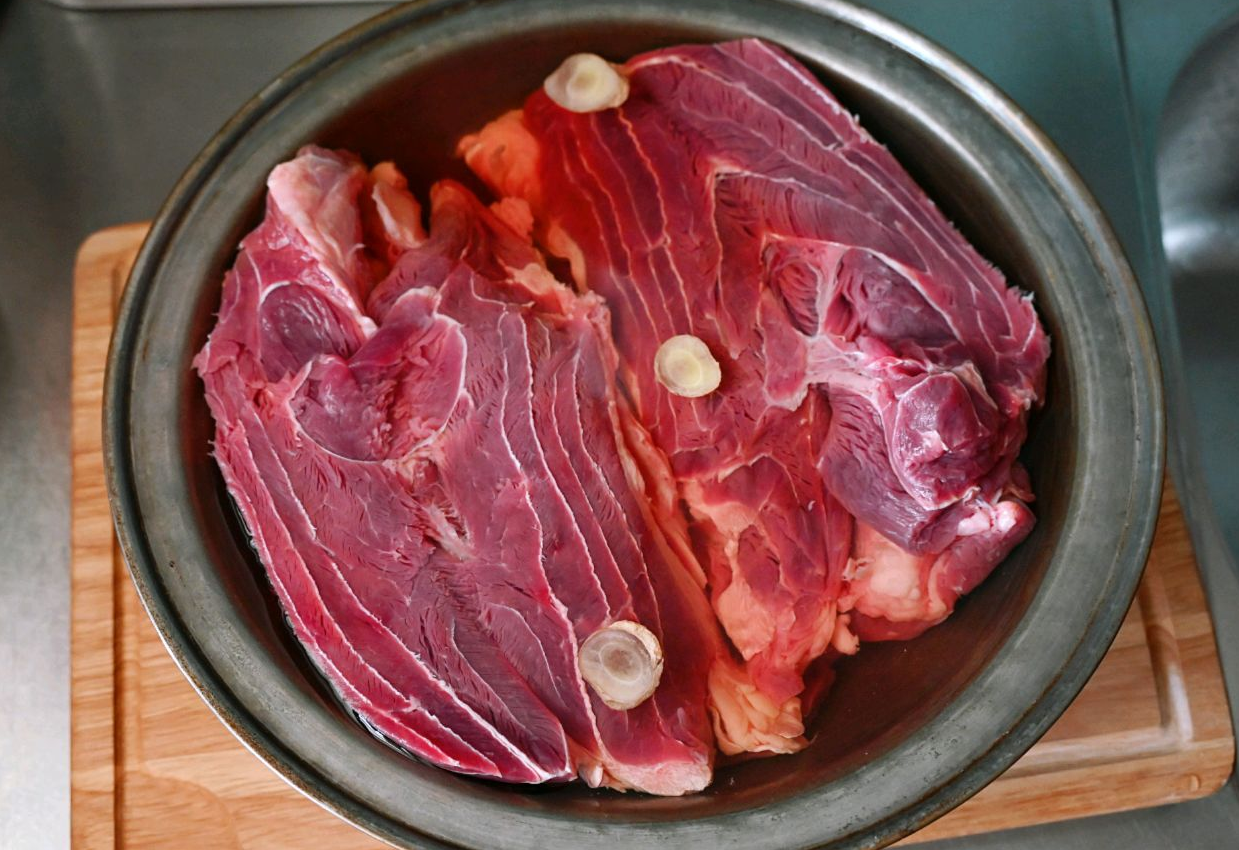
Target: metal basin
1198,190
910,729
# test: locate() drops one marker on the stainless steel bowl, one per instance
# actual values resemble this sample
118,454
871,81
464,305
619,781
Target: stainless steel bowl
910,729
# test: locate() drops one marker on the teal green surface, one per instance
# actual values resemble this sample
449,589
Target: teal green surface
1158,37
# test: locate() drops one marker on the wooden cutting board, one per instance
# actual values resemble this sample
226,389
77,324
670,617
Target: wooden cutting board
153,768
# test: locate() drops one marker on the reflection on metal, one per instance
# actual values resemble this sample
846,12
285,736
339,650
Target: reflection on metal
1198,190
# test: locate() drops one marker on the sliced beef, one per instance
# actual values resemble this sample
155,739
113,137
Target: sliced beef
455,469
874,365
439,486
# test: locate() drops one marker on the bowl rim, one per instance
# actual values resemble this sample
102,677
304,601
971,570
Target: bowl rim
1092,224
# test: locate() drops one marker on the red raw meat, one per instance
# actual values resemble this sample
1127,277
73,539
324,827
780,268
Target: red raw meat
440,489
871,359
450,492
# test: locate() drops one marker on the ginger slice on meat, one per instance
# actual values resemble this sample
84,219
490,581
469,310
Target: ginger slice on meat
585,82
622,663
685,366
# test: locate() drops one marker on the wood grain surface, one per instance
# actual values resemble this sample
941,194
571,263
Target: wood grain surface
153,768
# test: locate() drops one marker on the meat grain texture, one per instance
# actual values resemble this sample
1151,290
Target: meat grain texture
456,468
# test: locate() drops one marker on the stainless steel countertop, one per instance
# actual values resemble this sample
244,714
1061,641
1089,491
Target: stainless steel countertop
100,112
